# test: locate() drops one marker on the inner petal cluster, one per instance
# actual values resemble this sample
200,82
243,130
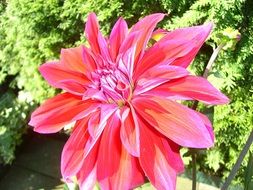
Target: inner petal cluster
112,83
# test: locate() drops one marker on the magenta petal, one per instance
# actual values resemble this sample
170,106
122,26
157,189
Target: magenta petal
72,59
196,34
73,151
156,159
117,36
129,132
158,75
177,122
99,119
62,109
106,111
60,77
162,52
142,31
87,175
191,87
72,86
208,124
178,47
91,31
117,169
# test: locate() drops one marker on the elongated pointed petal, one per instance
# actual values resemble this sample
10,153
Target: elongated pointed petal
106,111
177,122
117,36
129,132
191,88
87,175
95,38
91,31
208,124
143,31
73,152
178,47
58,111
196,34
162,52
72,59
158,75
115,165
157,159
59,77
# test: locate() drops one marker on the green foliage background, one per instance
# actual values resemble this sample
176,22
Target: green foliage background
32,32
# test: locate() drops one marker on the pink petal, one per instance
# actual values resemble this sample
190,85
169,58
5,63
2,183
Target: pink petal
60,77
196,34
191,87
143,30
162,52
99,119
89,60
72,87
158,75
117,36
58,111
178,47
106,111
128,60
129,132
91,31
208,124
115,166
87,174
177,122
72,59
158,160
73,152
95,38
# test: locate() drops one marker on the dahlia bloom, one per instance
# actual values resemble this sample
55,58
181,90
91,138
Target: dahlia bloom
121,95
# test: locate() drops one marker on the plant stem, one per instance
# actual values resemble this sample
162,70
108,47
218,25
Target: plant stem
194,171
194,107
238,162
212,59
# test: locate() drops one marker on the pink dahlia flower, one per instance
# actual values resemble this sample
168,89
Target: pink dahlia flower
120,94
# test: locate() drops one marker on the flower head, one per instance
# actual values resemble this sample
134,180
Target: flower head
120,94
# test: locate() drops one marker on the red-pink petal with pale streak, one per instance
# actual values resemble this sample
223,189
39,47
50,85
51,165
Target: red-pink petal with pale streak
180,46
117,36
196,34
91,31
73,152
72,59
162,52
128,61
157,76
60,110
129,131
87,174
89,60
191,88
72,87
106,110
157,159
115,167
60,77
99,119
177,122
143,29
208,124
